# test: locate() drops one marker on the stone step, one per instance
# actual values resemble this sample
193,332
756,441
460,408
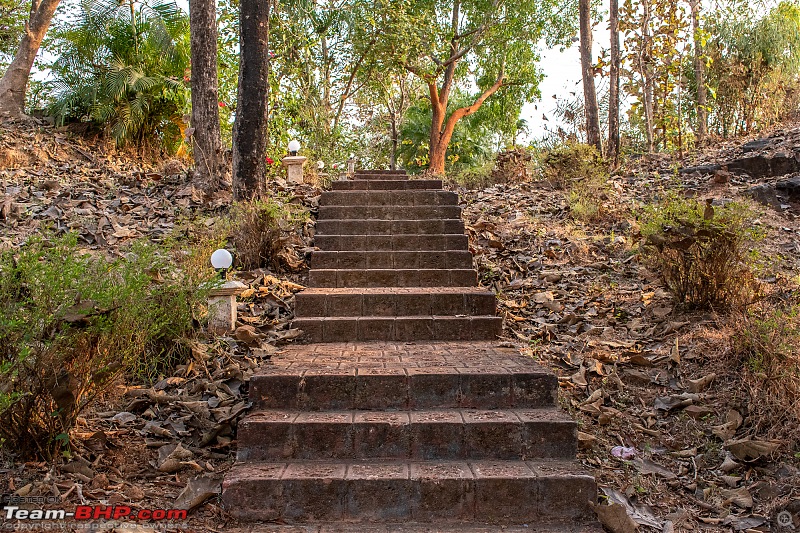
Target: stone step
394,259
386,212
389,227
411,277
388,198
446,434
380,175
401,242
397,491
399,328
387,301
451,526
388,382
384,185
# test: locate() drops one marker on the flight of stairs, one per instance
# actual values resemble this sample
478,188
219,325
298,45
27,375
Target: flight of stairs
403,413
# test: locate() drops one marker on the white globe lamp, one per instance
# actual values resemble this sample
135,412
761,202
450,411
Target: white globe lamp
221,259
294,147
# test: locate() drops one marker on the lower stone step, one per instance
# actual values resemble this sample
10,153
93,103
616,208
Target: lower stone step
389,227
443,434
386,277
400,242
399,328
340,378
398,491
473,526
389,301
451,259
388,212
385,185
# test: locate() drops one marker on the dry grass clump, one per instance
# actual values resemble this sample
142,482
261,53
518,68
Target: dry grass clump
579,170
766,348
255,234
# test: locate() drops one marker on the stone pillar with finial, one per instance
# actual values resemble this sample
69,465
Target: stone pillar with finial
294,163
222,298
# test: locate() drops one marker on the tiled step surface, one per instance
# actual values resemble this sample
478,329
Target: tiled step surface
397,242
394,198
399,328
395,376
392,277
278,434
383,185
395,491
391,301
454,259
473,526
403,212
389,227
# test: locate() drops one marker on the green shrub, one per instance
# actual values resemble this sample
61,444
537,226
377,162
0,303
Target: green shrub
71,322
579,170
703,253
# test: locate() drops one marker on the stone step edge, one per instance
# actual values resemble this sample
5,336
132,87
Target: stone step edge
471,526
391,490
399,328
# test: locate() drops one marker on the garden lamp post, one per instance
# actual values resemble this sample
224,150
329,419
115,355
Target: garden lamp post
294,163
222,299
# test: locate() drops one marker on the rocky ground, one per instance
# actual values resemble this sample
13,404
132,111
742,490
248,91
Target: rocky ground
666,424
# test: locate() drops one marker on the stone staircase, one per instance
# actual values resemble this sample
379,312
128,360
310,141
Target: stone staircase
403,414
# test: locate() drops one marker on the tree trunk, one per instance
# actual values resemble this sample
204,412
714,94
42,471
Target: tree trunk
15,79
393,149
700,76
589,93
613,97
250,128
645,64
206,144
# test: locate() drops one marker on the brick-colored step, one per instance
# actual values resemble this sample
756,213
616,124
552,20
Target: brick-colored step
388,198
450,434
380,174
473,526
392,242
385,185
389,227
388,212
387,301
396,491
394,259
399,328
392,278
387,382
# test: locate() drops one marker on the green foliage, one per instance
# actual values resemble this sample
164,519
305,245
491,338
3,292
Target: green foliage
754,65
703,253
469,148
13,15
579,170
124,67
71,322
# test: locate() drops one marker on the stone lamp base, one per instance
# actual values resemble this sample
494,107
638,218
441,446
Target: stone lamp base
222,307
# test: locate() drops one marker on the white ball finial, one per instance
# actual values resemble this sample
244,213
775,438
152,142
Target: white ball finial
294,146
221,259
320,165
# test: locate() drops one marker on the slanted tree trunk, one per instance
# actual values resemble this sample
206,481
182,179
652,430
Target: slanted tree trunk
250,127
613,96
589,92
15,79
700,76
206,143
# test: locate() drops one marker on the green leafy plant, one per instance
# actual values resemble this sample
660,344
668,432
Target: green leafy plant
124,66
703,253
71,322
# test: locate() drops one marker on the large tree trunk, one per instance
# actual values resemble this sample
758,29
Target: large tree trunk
589,92
15,80
206,144
613,96
700,76
250,127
